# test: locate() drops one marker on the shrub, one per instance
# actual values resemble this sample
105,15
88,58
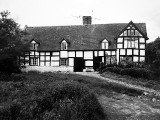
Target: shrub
133,72
116,70
137,72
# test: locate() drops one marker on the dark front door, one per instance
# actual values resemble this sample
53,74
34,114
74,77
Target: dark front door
78,64
97,61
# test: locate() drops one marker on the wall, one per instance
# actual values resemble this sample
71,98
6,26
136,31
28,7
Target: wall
48,69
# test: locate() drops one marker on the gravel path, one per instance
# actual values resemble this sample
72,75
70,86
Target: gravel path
97,75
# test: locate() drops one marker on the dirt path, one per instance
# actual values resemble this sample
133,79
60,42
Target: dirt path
97,75
123,107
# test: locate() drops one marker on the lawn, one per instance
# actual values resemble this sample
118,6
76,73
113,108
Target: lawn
116,102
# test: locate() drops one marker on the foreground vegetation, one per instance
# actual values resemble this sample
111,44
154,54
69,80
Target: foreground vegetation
38,96
61,96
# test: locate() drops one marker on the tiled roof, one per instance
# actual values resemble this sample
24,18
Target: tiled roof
80,37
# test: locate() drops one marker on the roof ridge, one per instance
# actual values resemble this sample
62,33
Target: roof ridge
75,25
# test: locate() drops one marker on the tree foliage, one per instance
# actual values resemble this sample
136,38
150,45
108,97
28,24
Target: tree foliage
153,56
10,43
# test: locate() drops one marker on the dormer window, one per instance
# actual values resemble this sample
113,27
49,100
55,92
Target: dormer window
34,45
64,45
104,44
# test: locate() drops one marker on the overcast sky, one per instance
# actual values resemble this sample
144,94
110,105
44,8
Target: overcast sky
67,12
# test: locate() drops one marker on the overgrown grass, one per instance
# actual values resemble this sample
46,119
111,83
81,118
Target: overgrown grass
48,96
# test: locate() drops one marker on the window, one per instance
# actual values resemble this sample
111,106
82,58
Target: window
64,45
64,62
34,46
131,44
34,61
104,44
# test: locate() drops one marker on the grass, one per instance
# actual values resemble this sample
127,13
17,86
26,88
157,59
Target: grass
48,96
37,95
134,81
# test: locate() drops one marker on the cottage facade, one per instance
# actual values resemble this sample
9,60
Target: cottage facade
83,47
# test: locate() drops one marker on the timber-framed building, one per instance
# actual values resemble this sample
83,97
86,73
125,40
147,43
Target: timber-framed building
83,47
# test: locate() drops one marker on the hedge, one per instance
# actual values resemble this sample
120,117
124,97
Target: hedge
133,72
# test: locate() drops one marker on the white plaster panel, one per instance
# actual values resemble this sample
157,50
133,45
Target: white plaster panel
141,40
135,59
31,53
95,53
119,46
104,40
142,52
42,57
55,53
136,43
79,53
101,53
41,63
42,53
64,54
122,52
135,52
36,53
55,58
88,54
55,63
117,56
108,53
125,43
113,52
129,51
142,59
47,53
47,57
27,58
103,59
47,63
142,46
120,40
71,61
33,42
71,54
88,63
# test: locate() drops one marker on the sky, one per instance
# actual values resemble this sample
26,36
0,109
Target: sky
70,12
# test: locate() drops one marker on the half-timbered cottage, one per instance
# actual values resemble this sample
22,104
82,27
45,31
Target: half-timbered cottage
84,47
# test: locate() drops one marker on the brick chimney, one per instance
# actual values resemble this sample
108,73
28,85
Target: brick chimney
87,20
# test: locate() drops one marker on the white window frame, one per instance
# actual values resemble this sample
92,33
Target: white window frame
64,61
34,62
64,45
105,44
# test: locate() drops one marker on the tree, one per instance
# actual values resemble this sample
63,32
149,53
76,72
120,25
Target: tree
153,56
10,43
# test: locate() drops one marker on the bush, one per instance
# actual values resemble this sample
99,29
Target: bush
137,72
60,101
116,70
9,66
133,72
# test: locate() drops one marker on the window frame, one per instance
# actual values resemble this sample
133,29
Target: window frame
64,45
64,62
34,61
105,44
